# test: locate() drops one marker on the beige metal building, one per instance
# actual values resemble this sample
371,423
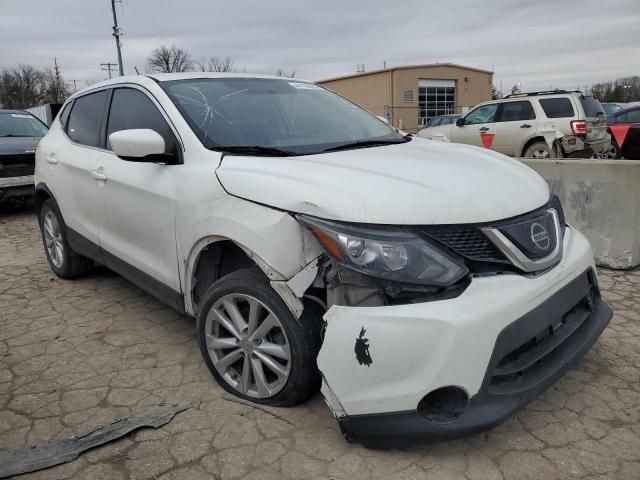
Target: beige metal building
411,94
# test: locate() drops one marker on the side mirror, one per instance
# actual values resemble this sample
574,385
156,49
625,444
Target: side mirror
384,119
143,145
460,122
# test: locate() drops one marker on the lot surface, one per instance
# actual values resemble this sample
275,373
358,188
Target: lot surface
74,355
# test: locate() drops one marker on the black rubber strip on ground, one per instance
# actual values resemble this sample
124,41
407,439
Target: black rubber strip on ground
56,452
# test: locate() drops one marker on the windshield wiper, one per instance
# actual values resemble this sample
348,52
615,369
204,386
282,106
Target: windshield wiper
254,150
12,135
365,144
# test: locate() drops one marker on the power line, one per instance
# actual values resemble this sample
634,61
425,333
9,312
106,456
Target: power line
117,33
108,67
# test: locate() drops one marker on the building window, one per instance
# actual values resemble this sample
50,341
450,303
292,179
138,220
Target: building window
408,96
435,97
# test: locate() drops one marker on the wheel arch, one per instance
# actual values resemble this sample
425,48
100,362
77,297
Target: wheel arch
41,195
535,139
214,257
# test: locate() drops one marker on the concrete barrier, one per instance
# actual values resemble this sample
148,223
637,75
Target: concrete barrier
601,198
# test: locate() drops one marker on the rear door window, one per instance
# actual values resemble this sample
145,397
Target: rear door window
517,111
85,119
557,107
591,106
132,109
633,116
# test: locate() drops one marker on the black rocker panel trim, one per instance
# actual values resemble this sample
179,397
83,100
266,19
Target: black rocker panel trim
83,246
162,292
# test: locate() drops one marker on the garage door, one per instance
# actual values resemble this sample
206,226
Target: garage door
435,97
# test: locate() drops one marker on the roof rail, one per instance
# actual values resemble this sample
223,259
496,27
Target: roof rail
545,92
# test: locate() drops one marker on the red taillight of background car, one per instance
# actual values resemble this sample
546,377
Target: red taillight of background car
579,127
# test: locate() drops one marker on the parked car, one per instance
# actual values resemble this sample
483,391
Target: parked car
610,108
442,120
630,147
518,125
20,133
436,287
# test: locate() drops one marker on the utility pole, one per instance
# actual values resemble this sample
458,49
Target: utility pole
75,85
117,33
58,82
108,67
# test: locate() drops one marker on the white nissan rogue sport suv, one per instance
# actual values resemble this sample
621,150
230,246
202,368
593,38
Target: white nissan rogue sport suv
431,289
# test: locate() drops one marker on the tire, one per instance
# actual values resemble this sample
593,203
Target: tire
613,152
540,150
64,262
234,350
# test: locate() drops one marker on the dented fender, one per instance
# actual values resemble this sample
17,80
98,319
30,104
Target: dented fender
292,291
273,239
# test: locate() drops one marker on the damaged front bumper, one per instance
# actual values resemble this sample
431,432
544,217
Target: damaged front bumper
501,343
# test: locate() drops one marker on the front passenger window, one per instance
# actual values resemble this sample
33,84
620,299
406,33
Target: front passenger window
85,119
483,114
132,109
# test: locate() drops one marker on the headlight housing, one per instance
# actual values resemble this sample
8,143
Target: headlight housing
395,255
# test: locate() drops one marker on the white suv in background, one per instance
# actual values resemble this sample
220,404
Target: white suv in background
533,125
431,289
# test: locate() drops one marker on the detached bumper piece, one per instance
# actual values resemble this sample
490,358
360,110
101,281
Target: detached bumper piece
529,356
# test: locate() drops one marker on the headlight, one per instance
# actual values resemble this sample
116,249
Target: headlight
393,255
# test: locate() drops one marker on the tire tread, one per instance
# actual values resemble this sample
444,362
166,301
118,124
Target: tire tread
304,379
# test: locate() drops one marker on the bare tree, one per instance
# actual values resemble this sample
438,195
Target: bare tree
282,73
169,59
626,89
217,64
22,86
56,89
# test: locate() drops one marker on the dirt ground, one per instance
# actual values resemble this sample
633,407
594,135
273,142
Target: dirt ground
74,355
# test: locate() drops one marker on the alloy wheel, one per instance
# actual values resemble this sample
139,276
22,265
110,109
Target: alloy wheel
53,239
541,153
248,346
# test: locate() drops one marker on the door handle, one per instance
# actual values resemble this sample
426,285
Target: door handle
99,176
484,129
525,125
50,159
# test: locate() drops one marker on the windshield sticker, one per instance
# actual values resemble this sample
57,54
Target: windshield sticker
20,115
305,86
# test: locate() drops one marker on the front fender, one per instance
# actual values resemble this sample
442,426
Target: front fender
273,239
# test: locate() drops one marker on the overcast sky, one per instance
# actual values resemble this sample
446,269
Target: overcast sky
542,43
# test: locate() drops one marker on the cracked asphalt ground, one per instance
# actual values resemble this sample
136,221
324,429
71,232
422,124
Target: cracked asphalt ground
74,355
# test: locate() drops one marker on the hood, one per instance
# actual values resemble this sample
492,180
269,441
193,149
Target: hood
419,182
18,145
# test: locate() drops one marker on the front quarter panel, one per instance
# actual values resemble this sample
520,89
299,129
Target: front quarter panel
273,238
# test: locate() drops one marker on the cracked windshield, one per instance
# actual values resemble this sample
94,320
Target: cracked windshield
280,117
